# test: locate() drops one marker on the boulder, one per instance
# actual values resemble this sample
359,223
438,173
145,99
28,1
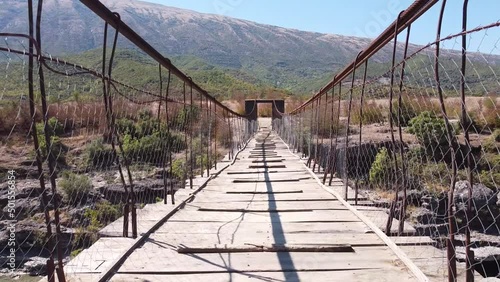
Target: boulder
28,234
413,196
482,196
36,266
23,208
423,216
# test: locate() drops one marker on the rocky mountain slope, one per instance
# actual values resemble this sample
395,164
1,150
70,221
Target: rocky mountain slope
278,56
292,59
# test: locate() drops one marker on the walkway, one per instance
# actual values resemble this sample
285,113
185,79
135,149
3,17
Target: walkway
264,219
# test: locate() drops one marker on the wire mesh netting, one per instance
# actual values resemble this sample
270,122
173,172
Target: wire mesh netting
90,147
413,142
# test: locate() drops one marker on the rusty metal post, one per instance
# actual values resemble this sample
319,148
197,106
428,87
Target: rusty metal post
299,141
209,146
334,165
216,122
184,128
346,147
402,210
39,162
330,151
48,140
450,244
466,124
169,145
358,157
165,148
190,118
309,155
394,203
316,119
200,132
322,156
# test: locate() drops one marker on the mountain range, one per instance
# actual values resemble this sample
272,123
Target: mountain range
298,61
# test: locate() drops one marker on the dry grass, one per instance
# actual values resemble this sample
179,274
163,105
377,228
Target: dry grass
372,113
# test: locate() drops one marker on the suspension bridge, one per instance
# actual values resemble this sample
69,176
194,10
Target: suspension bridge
389,172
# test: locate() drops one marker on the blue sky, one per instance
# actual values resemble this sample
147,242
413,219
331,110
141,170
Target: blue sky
366,18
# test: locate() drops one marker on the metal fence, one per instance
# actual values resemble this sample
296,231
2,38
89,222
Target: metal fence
413,140
88,143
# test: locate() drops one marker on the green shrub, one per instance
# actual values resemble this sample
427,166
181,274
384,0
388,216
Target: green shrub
435,173
382,170
489,162
151,148
54,127
202,160
496,135
326,128
97,217
75,253
125,126
102,214
144,126
186,117
223,136
145,140
57,148
98,155
179,169
429,129
76,187
490,179
372,114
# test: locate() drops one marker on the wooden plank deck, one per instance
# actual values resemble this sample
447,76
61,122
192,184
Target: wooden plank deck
284,208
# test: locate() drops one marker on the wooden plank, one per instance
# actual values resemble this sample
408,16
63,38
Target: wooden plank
265,192
353,239
407,261
267,166
326,204
272,229
153,259
192,215
412,240
268,179
354,275
255,248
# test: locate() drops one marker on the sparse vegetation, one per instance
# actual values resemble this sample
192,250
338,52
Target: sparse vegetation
76,187
75,253
372,113
409,110
99,155
57,148
382,169
102,214
491,117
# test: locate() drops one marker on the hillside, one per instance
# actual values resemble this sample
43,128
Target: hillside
212,47
273,55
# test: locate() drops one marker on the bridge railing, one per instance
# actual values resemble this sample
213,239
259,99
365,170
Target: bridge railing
415,131
95,137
